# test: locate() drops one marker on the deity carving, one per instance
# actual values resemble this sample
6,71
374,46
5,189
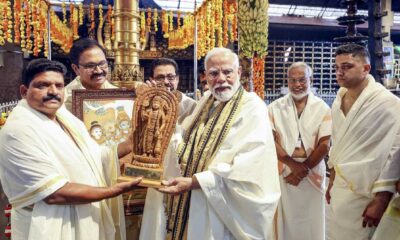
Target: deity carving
154,117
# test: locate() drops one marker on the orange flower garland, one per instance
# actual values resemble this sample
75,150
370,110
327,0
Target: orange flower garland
165,23
42,26
92,17
233,11
28,18
258,76
8,33
171,21
100,14
2,33
218,21
148,20
22,29
17,11
75,22
225,23
61,33
35,25
155,20
64,12
179,19
142,27
81,13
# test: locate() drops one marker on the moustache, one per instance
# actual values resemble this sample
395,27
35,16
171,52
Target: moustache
51,97
103,74
226,85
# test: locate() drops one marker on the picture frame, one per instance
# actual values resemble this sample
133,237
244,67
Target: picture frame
106,113
106,109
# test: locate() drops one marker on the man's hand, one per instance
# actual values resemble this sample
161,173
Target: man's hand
375,209
328,192
298,169
151,83
330,185
124,187
293,180
179,185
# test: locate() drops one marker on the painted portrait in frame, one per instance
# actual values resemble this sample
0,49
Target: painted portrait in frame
107,115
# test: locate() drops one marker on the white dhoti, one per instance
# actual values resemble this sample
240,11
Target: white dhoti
364,143
301,210
345,211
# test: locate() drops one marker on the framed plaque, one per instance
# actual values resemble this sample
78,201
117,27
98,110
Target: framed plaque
107,115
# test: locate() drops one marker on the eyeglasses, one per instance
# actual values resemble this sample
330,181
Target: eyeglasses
161,78
213,74
344,67
300,80
92,66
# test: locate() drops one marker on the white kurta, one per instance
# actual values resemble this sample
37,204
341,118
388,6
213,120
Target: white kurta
301,210
77,84
363,144
37,158
239,191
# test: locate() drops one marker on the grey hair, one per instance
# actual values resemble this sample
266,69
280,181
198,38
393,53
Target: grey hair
307,69
221,50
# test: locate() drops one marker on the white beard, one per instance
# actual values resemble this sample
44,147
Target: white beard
300,95
227,94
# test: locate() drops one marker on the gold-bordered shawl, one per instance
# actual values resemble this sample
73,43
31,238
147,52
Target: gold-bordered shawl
201,143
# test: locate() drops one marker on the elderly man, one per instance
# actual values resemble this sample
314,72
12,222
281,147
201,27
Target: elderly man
366,121
166,71
53,173
224,184
89,63
301,123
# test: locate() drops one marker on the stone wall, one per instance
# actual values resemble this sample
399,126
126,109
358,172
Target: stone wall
11,65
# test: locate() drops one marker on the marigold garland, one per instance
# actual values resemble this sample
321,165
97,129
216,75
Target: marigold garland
142,27
155,20
92,17
258,76
22,29
148,20
225,24
64,12
81,13
179,20
17,11
75,22
100,14
35,25
165,23
2,16
28,18
61,33
171,21
112,24
71,14
8,15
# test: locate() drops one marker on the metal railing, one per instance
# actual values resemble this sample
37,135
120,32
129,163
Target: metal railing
7,106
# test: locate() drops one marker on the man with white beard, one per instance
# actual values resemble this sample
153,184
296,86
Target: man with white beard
301,124
222,177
